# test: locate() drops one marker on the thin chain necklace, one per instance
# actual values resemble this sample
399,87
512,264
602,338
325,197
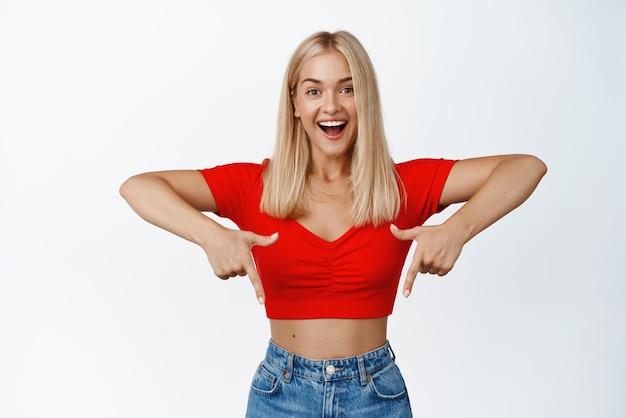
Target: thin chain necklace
326,192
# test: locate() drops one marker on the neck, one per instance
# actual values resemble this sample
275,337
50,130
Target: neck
337,185
330,169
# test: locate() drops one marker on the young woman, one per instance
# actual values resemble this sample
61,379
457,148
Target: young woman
325,228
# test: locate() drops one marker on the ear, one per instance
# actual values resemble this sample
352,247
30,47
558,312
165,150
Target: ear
296,112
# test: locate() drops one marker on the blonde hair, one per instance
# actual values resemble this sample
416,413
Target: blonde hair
374,183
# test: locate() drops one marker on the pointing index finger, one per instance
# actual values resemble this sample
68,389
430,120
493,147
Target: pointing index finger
411,274
253,275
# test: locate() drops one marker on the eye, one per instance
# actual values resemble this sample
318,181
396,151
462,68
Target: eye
347,90
313,92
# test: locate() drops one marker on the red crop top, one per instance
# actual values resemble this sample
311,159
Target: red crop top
306,277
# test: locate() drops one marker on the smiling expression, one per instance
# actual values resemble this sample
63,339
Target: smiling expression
324,101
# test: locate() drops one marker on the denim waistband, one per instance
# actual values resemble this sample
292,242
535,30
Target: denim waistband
332,369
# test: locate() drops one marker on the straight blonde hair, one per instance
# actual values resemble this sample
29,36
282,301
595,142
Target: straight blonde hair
374,183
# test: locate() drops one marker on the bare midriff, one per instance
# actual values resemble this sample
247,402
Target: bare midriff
329,337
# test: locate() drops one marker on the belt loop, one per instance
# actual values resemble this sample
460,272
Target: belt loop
362,371
289,372
393,355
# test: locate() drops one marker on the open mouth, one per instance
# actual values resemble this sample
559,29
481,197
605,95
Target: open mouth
332,128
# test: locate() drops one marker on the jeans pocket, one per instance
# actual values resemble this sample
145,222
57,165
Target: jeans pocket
264,381
388,383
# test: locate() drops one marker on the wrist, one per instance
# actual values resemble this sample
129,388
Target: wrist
460,228
206,232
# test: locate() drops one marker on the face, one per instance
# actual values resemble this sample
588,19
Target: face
324,102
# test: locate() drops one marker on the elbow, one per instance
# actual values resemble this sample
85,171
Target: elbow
126,189
539,166
533,165
123,189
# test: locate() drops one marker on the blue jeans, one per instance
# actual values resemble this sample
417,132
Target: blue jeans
286,385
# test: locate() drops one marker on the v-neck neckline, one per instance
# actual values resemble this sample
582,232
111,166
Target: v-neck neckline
307,232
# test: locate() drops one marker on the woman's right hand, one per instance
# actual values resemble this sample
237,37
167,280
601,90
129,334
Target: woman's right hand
228,251
175,200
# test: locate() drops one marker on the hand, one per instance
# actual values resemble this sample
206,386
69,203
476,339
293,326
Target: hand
437,251
230,256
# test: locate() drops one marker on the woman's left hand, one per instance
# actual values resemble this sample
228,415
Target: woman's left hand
437,250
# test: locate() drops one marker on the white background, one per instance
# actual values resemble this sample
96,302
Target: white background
104,315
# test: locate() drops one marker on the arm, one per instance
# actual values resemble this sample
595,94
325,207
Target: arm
175,200
491,187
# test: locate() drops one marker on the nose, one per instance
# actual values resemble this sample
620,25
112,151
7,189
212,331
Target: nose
332,104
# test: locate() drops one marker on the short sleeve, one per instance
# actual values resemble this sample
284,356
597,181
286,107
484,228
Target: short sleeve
236,188
423,181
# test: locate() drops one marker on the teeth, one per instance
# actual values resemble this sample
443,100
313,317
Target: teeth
332,123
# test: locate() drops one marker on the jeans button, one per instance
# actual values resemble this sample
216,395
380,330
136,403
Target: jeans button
330,369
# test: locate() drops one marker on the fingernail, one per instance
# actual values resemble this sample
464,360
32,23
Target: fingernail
261,300
274,235
407,292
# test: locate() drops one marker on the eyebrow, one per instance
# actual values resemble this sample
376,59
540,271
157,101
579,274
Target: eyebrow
312,80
